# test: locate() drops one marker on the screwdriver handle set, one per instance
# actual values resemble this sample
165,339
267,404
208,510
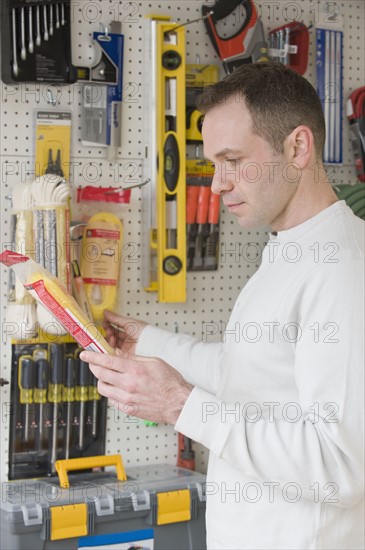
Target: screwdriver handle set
56,410
202,206
36,41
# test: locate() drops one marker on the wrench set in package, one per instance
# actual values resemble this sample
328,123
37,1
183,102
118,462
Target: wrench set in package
36,41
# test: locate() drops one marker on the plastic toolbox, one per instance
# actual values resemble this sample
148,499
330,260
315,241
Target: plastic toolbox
160,507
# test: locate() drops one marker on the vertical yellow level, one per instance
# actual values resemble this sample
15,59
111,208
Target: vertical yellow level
170,163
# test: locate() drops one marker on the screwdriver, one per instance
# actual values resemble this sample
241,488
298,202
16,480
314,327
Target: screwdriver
26,386
210,259
30,30
40,393
68,395
15,43
82,395
186,455
94,396
192,193
201,218
55,393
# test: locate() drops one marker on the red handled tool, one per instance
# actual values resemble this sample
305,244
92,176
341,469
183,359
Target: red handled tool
185,453
201,220
247,45
211,244
192,194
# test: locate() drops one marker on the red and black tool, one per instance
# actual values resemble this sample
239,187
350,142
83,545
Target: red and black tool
211,243
247,45
192,193
185,453
356,116
201,220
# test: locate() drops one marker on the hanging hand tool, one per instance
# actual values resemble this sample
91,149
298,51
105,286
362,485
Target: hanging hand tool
247,45
211,244
289,44
40,394
68,395
185,453
194,123
55,394
192,193
30,30
63,20
54,167
201,219
57,10
23,50
45,23
15,45
166,202
26,386
50,20
38,39
82,395
94,396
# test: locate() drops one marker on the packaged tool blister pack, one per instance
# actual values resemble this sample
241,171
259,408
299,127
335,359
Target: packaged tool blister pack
50,293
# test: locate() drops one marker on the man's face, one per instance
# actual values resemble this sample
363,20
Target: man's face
256,185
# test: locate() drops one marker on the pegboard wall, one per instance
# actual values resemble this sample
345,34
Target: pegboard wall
210,295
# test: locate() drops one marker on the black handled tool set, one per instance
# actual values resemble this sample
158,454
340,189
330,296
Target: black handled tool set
56,410
36,41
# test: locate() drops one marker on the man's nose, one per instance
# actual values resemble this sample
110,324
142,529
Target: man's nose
223,180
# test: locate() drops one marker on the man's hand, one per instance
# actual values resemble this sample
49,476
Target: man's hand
144,387
122,332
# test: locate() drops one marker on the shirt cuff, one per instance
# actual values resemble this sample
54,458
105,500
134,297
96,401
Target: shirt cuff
201,420
150,340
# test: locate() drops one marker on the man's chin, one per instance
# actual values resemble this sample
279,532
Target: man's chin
247,223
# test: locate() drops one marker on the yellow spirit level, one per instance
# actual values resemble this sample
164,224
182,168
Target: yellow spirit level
166,162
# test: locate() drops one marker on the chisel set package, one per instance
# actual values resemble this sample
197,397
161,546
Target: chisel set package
36,41
57,412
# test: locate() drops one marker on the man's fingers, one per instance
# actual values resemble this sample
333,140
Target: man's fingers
134,357
131,327
111,362
115,319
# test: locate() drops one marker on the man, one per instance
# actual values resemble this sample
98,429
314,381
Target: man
279,403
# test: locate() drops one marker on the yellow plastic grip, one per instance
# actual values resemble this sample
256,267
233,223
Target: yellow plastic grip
71,464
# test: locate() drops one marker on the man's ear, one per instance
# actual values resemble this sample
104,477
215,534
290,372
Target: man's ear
299,146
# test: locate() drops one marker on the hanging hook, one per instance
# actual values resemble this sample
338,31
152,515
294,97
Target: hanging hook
51,100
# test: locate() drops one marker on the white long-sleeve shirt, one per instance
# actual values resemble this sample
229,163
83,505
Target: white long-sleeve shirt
280,402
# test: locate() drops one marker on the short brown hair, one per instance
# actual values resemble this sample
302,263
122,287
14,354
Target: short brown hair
279,100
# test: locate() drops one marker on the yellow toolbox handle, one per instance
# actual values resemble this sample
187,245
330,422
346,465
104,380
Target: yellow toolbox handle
85,463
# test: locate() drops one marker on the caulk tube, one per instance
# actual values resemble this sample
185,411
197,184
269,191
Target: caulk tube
50,292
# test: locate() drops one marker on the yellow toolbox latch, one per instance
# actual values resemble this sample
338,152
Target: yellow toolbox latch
68,521
173,506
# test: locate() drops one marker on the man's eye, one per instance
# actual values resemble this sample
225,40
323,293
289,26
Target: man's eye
232,161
